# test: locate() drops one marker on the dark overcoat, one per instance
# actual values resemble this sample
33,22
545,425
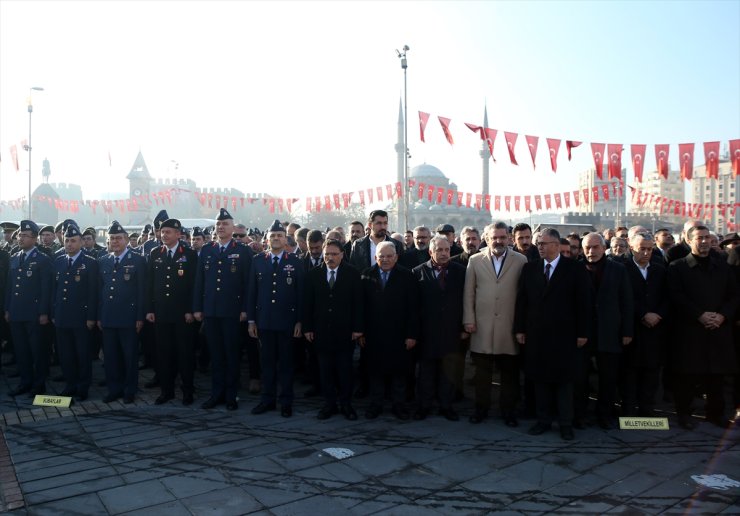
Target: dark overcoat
647,348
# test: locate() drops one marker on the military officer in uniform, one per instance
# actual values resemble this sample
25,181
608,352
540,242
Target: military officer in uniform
47,240
146,247
74,312
122,281
89,246
274,312
8,229
220,300
171,277
27,309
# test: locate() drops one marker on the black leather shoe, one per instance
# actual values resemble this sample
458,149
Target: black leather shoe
286,411
19,390
372,412
349,413
539,429
211,403
400,412
163,398
420,414
187,399
478,416
128,399
261,408
111,397
566,432
232,405
449,414
326,412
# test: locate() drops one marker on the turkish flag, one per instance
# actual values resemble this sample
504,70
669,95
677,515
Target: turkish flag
478,201
510,143
487,202
615,160
389,192
459,198
450,195
423,119
576,198
497,203
490,137
346,197
399,190
638,159
430,192
686,154
272,205
336,201
14,156
538,202
553,145
595,194
420,190
661,159
605,191
558,202
548,202
597,150
379,192
532,142
327,202
571,144
566,198
517,203
507,202
711,159
474,128
468,199
735,156
527,203
362,198
440,194
445,122
370,195
280,204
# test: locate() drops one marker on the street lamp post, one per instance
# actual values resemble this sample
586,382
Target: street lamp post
404,205
28,147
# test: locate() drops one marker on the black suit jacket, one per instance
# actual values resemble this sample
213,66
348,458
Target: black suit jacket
332,314
552,316
613,309
171,283
360,256
413,258
650,295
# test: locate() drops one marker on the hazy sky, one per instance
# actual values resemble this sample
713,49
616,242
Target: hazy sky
302,98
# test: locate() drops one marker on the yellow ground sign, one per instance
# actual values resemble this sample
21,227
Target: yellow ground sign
643,423
44,400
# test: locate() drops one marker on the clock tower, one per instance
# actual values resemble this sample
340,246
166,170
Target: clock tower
140,182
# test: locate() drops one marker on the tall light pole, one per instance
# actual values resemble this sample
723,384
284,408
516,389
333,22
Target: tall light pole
28,147
405,186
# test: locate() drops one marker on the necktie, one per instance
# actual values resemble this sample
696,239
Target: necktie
547,272
441,277
69,266
23,259
275,262
115,265
332,279
384,278
170,253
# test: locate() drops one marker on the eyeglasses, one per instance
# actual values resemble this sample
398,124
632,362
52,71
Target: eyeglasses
543,244
239,235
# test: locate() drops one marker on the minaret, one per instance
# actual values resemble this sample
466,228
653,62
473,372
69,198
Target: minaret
485,154
400,150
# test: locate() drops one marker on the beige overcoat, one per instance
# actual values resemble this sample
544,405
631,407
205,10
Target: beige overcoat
489,302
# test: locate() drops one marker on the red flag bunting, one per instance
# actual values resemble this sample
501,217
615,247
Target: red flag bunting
379,192
362,197
548,202
686,153
490,137
487,202
527,203
430,192
576,199
445,122
711,159
389,192
735,157
478,201
423,119
399,190
605,191
440,194
336,201
558,202
507,202
597,150
510,143
517,202
532,142
327,202
638,159
661,159
571,144
538,202
473,127
308,205
459,198
345,200
553,146
595,194
468,199
497,202
615,160
14,156
450,195
370,195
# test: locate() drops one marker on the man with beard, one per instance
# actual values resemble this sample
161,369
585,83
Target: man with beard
420,253
356,230
523,242
553,314
490,286
704,294
441,285
470,239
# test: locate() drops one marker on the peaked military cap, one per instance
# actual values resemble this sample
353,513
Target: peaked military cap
185,231
147,229
224,215
197,231
89,232
72,231
115,228
276,226
8,226
46,229
29,225
171,223
161,217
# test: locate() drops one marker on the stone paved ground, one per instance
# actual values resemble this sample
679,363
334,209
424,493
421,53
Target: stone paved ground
97,458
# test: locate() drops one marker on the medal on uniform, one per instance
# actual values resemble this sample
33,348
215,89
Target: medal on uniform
233,268
126,277
289,280
77,278
180,272
29,273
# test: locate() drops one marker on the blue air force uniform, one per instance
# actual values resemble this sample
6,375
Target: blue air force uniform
75,303
220,295
27,298
122,304
275,301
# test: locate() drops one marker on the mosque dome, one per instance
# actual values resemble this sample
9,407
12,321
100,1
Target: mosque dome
425,170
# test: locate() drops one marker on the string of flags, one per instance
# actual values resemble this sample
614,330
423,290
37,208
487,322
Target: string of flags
664,205
600,152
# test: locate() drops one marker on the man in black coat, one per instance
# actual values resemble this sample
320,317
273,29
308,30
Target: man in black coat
470,239
553,314
704,295
644,356
611,329
441,285
305,357
420,252
391,328
332,322
523,242
683,248
171,279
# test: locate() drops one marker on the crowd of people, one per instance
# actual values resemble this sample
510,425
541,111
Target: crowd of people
547,312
